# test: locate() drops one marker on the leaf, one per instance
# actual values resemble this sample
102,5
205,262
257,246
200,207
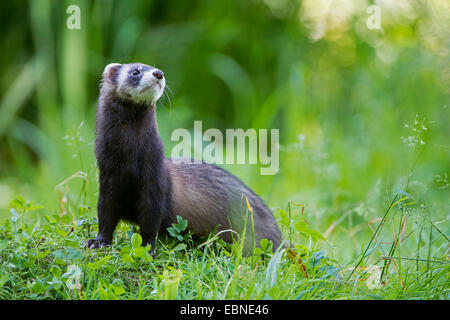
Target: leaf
117,286
303,227
182,224
266,245
59,254
128,259
258,251
70,243
117,282
140,252
3,279
179,247
67,253
125,250
3,244
24,205
74,253
80,222
18,203
118,290
42,254
172,232
61,233
66,218
100,263
37,287
136,240
55,271
272,269
49,219
284,218
55,283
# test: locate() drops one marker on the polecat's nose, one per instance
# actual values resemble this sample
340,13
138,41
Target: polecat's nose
158,74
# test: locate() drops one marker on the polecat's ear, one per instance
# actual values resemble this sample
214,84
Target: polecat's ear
111,72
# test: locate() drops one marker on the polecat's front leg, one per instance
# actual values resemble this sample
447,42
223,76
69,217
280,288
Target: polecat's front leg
149,220
108,217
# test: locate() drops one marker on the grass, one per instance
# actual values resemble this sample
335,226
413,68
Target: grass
43,258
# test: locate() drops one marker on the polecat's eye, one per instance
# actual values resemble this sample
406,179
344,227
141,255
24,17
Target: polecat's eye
136,72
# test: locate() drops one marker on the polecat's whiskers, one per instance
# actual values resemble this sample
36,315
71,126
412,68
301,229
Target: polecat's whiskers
168,88
168,96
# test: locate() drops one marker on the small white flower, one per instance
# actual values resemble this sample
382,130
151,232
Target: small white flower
373,279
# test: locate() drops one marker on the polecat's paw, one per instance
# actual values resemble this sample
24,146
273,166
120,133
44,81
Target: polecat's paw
92,244
95,244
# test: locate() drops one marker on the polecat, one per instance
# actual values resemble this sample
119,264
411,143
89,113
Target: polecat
139,185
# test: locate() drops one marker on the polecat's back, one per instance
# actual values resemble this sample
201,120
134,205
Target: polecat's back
208,196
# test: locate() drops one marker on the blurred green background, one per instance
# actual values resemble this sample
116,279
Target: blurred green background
362,112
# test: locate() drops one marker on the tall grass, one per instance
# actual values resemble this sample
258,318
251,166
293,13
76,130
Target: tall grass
44,259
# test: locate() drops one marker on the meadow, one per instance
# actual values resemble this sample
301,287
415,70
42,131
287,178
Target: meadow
362,192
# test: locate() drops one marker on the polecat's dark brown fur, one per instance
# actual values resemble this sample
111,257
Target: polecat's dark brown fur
138,184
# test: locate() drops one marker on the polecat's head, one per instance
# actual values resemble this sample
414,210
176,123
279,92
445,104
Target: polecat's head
134,81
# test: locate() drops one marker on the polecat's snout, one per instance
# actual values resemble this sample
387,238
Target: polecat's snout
135,81
158,74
